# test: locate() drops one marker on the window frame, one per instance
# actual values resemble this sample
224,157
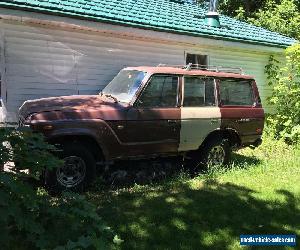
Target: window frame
194,53
144,87
251,82
201,77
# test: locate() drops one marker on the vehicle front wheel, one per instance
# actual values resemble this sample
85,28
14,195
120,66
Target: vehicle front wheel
78,169
216,152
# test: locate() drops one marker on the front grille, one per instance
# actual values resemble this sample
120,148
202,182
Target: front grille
21,121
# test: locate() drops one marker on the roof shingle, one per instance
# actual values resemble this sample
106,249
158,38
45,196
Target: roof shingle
165,15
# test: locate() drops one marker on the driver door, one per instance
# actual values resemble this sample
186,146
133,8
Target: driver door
153,124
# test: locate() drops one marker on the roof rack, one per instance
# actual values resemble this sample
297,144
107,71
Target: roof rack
190,66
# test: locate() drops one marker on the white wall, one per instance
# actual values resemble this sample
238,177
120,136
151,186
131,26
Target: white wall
46,60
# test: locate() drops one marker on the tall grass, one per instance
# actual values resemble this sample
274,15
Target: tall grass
259,193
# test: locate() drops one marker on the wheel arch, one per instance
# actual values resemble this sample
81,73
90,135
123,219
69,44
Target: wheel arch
231,134
87,140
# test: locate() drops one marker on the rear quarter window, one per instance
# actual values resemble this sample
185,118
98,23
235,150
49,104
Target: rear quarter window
236,92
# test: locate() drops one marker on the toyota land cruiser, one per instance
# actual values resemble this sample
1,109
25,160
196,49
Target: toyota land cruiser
149,112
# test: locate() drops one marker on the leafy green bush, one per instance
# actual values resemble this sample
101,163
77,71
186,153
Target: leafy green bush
29,217
285,99
283,17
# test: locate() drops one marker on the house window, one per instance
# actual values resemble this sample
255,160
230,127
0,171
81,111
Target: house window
196,59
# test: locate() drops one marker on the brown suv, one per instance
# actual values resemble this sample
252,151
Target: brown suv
147,112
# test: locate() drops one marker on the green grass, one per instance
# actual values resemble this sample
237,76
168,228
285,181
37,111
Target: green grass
258,194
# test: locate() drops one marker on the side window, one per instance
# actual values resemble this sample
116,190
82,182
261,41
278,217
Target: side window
199,92
236,92
161,91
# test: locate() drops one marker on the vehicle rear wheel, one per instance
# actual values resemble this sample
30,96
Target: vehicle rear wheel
216,152
77,172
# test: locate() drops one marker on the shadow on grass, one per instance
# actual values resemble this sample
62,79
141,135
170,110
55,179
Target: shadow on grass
208,217
239,159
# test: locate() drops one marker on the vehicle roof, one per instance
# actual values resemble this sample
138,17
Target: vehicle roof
192,72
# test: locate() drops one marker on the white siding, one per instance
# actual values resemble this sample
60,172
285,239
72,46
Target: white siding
43,61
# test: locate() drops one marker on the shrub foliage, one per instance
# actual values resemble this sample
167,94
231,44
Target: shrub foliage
29,217
285,80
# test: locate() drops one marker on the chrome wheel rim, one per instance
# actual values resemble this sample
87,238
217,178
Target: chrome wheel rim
72,172
216,156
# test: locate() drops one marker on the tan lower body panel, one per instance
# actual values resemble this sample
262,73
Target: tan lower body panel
196,124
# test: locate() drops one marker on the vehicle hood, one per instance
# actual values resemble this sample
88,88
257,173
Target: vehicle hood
94,105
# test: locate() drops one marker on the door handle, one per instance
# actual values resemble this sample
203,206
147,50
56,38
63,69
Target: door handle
172,122
214,121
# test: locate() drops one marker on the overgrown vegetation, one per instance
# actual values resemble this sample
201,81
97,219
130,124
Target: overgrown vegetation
258,194
282,17
285,80
30,218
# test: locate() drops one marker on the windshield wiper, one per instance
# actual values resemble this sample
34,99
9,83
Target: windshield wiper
111,96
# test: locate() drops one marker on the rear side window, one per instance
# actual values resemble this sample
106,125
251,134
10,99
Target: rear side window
199,92
236,92
161,91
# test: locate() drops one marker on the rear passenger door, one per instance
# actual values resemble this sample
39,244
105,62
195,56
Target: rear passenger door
240,108
200,114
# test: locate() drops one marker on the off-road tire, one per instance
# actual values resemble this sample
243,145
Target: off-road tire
82,154
215,143
198,160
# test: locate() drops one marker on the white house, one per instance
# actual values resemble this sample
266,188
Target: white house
70,47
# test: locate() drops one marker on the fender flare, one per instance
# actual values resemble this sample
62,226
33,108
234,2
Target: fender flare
225,132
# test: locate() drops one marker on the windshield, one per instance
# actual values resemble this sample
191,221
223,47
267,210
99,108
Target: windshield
124,86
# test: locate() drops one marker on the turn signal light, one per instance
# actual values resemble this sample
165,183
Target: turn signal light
258,130
47,127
